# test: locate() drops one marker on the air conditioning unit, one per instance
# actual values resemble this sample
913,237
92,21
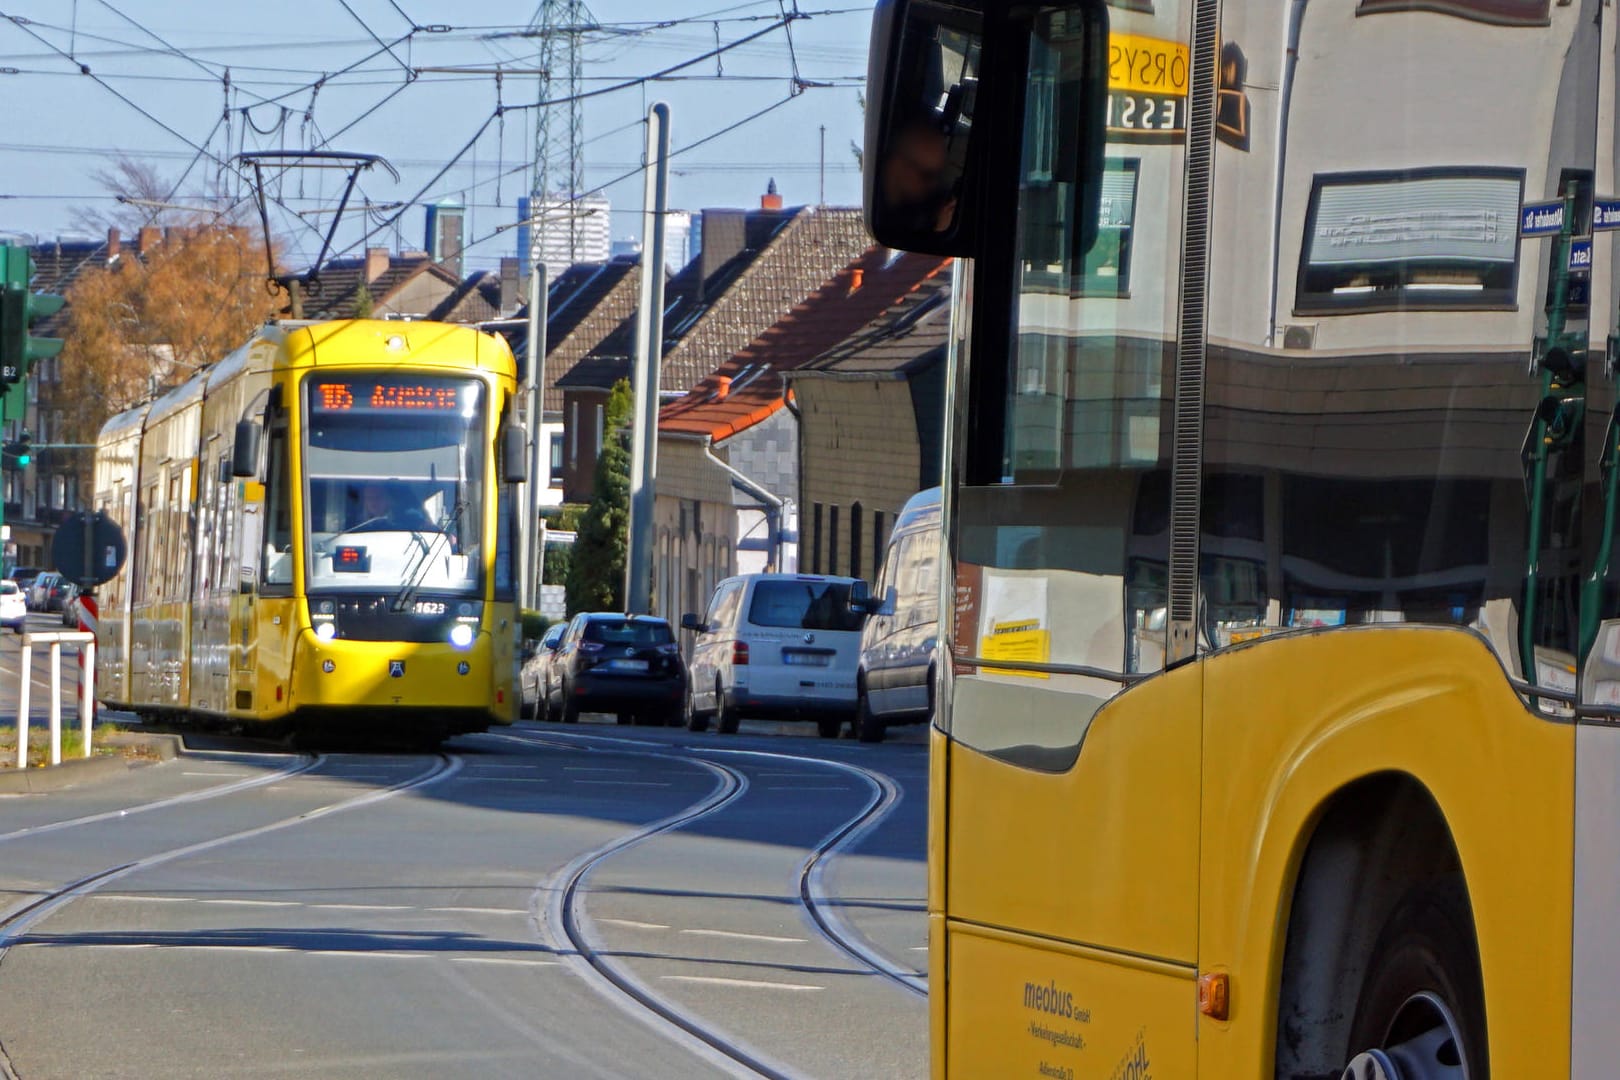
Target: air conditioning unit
1299,336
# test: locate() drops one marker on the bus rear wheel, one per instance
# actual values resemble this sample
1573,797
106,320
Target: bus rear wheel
1421,1013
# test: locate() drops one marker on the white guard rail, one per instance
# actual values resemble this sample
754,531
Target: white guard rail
87,694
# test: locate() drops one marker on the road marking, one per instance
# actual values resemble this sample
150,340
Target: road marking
347,953
132,898
362,907
750,984
210,774
479,911
919,948
746,937
633,924
505,960
251,903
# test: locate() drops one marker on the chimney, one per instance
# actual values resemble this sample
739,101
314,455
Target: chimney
722,387
857,277
511,283
770,200
147,239
113,244
377,262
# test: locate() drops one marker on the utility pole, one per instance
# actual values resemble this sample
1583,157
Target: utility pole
823,201
534,542
649,361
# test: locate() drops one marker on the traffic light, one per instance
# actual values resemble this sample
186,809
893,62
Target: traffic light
19,452
19,310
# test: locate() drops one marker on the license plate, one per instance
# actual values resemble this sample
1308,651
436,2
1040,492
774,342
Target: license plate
626,665
808,659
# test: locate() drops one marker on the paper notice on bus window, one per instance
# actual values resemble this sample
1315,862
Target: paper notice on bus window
1012,624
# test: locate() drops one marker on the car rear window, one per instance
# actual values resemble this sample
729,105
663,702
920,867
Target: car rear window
626,632
8,587
803,605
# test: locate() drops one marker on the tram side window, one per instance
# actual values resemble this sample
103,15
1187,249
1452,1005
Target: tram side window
278,561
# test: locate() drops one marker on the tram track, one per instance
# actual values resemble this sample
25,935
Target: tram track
305,763
16,921
559,920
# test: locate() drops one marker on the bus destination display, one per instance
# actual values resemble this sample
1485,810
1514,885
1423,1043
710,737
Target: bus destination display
385,397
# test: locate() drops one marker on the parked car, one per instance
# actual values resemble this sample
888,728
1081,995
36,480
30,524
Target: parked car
894,683
24,577
13,611
47,591
775,645
535,679
70,606
629,665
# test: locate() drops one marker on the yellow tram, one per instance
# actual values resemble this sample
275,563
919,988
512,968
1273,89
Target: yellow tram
322,532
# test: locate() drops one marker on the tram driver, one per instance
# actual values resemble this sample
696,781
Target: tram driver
382,509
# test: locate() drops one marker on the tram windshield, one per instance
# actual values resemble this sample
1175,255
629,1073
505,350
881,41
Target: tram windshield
394,472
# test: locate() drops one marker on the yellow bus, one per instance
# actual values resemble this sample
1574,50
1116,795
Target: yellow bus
321,532
1276,728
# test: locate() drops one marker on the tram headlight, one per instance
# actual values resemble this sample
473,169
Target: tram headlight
326,631
461,635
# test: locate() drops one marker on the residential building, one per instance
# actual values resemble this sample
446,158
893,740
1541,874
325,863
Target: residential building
755,265
729,450
871,430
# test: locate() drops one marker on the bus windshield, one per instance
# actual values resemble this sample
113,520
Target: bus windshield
394,474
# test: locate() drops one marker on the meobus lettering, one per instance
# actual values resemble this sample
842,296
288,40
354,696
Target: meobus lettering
1049,999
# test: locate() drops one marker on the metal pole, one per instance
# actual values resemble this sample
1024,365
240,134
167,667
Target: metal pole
88,702
539,315
525,595
649,361
22,702
823,201
56,702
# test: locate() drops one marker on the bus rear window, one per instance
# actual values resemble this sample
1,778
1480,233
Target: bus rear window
626,632
803,605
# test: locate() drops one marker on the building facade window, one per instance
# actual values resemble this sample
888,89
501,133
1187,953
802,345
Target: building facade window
556,460
832,539
1418,239
815,538
1500,12
855,540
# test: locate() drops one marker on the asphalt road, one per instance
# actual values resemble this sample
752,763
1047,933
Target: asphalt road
590,901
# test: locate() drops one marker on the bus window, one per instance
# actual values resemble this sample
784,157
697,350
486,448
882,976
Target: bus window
1062,530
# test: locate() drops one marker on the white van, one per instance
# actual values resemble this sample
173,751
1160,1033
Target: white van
775,645
894,682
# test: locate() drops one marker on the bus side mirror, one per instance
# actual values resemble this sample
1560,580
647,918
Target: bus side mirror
921,94
514,454
245,452
861,600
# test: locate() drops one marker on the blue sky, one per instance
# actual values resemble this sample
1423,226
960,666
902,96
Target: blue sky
168,59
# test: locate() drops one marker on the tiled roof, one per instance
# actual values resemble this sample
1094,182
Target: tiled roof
749,386
901,338
476,300
584,304
754,267
340,281
57,266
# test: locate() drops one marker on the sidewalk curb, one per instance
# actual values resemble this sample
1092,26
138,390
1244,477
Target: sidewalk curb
56,777
46,778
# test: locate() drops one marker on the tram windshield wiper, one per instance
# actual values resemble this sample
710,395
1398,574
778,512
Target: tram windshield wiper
413,585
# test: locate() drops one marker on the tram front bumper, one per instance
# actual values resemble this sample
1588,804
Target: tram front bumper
390,675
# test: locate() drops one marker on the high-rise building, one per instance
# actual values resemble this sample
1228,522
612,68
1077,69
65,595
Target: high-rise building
569,232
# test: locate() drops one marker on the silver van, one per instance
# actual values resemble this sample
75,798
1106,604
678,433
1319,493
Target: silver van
894,681
777,646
